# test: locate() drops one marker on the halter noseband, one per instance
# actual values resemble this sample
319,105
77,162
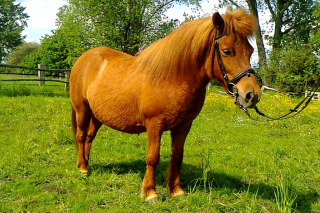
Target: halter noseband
231,87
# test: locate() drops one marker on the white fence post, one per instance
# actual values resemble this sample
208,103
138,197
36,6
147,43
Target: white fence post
41,74
67,80
209,86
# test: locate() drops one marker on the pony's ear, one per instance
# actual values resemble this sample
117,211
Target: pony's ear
218,22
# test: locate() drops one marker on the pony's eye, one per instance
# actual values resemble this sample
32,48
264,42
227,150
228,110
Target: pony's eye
226,52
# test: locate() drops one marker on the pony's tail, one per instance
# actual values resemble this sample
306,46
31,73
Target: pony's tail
74,125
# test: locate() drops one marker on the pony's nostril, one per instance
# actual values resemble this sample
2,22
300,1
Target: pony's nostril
249,97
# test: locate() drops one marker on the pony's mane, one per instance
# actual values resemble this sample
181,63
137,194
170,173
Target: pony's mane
185,49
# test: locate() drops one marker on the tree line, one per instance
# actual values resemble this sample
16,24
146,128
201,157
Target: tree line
131,25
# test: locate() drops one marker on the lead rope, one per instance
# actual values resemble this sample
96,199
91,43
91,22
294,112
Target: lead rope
295,110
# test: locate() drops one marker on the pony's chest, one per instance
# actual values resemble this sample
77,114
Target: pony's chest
189,110
180,105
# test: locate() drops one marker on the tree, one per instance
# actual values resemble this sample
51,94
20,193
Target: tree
22,51
125,25
12,23
253,7
315,32
292,55
292,20
52,52
72,27
292,68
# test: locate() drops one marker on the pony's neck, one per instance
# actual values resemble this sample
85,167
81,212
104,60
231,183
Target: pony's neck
181,55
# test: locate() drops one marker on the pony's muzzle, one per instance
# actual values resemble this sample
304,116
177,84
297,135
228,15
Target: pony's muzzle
248,98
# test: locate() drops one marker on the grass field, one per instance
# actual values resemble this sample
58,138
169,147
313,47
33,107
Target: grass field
231,164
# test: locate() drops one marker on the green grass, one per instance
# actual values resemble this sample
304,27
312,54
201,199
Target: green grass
231,163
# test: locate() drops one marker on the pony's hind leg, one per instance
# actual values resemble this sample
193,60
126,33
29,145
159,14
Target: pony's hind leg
87,127
178,138
92,130
82,123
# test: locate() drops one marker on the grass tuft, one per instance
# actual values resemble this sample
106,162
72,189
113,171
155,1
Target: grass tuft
285,198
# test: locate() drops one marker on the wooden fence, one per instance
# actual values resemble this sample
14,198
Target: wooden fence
41,74
315,96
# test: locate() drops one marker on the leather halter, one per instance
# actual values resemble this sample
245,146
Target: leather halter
231,87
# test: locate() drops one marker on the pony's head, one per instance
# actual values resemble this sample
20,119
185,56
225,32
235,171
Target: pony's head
231,56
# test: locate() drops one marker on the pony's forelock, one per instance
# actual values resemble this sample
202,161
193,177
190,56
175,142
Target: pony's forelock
240,22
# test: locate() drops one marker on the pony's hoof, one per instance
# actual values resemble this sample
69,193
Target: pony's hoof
84,171
178,193
82,168
152,199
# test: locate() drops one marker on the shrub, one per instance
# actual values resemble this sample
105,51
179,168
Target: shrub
292,68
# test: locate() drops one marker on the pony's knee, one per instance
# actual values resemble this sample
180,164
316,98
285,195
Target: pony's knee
81,136
91,136
152,160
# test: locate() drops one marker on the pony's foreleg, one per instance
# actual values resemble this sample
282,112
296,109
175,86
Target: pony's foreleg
178,138
154,132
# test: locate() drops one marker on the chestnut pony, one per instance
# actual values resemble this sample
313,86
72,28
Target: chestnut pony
162,88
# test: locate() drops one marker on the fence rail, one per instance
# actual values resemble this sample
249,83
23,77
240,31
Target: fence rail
30,68
52,80
41,74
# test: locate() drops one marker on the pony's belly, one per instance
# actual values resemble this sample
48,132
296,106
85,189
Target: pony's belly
129,129
119,117
118,120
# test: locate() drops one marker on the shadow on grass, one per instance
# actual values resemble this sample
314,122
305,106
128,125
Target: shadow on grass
190,173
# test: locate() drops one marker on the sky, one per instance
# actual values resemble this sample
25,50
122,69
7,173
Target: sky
42,17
